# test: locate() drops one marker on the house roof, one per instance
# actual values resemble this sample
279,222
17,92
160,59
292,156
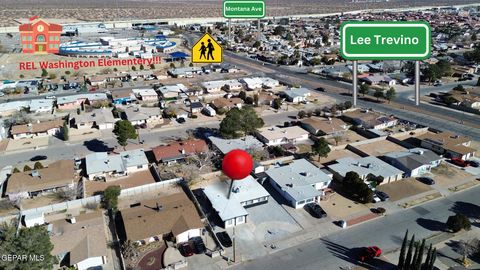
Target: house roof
274,133
84,239
125,93
36,127
414,158
297,92
326,125
138,113
74,98
177,88
298,178
364,166
37,104
145,92
244,143
58,174
101,162
243,190
179,149
99,116
369,118
222,102
165,214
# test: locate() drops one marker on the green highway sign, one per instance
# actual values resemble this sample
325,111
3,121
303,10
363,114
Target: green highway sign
385,40
243,9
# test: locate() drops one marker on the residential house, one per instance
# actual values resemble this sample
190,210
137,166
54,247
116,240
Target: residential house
41,105
365,167
97,118
297,95
101,165
274,135
186,72
163,217
196,107
217,86
226,103
137,115
76,101
209,111
224,145
179,150
146,95
123,97
448,144
379,79
172,91
41,129
58,175
369,119
244,194
299,182
319,126
80,241
9,108
414,162
266,98
252,83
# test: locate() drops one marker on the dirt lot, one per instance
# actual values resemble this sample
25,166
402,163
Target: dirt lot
339,207
447,175
404,188
379,148
337,154
349,137
40,201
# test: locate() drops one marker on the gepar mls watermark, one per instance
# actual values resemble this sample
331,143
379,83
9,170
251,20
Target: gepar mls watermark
22,258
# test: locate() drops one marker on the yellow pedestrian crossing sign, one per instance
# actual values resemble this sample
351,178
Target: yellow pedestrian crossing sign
207,50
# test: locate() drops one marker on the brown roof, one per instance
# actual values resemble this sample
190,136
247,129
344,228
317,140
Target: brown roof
58,174
121,93
223,102
325,125
176,215
449,141
83,239
179,149
36,127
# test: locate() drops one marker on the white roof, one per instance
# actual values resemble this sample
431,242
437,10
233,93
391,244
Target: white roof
100,116
364,166
14,105
136,113
220,84
226,146
144,92
242,191
36,104
102,162
74,98
177,88
275,133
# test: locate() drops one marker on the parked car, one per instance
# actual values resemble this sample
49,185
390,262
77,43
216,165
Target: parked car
186,250
369,253
38,158
376,198
459,162
474,163
50,97
224,239
426,180
198,245
321,89
315,210
382,195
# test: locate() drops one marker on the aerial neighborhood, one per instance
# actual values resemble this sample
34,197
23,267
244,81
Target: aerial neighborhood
121,168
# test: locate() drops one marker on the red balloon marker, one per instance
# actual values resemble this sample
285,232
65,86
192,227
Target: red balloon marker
237,164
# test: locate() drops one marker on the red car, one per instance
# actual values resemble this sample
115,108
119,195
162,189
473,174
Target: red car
369,253
186,250
459,162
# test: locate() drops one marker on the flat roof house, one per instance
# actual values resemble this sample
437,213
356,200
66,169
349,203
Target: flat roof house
60,174
98,118
81,241
41,105
364,167
274,135
146,95
297,95
225,145
299,182
448,144
318,126
217,86
245,193
179,150
139,115
103,165
414,162
172,91
42,129
164,217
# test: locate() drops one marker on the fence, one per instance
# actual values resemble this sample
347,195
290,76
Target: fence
147,188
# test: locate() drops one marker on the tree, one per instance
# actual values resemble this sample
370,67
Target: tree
347,104
33,241
65,132
449,100
408,259
240,122
459,88
134,68
474,37
427,260
255,99
15,170
256,44
478,82
142,67
321,148
172,65
124,131
419,259
110,197
458,222
27,168
242,95
432,73
364,89
152,66
129,249
277,103
378,94
444,68
279,30
301,114
473,56
356,188
38,165
44,73
401,258
391,94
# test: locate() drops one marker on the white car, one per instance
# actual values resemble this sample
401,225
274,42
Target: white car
50,97
376,198
2,94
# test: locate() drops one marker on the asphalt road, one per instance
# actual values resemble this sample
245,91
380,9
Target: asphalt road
341,249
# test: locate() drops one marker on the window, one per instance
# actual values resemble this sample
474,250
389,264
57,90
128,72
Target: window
29,38
300,202
229,222
29,46
51,38
57,38
139,166
309,200
40,38
24,38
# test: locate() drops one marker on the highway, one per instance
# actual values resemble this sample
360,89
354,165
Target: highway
341,249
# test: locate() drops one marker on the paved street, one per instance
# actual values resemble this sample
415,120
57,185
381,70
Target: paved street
339,249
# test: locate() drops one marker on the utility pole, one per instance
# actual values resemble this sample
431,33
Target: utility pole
417,83
229,32
354,79
234,245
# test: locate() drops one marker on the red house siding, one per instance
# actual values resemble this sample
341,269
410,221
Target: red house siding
39,36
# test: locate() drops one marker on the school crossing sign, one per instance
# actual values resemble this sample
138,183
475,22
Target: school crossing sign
207,51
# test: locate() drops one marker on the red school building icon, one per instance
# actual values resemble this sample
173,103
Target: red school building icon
39,36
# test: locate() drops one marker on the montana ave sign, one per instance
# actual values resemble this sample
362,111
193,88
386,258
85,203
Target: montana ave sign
385,40
244,9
